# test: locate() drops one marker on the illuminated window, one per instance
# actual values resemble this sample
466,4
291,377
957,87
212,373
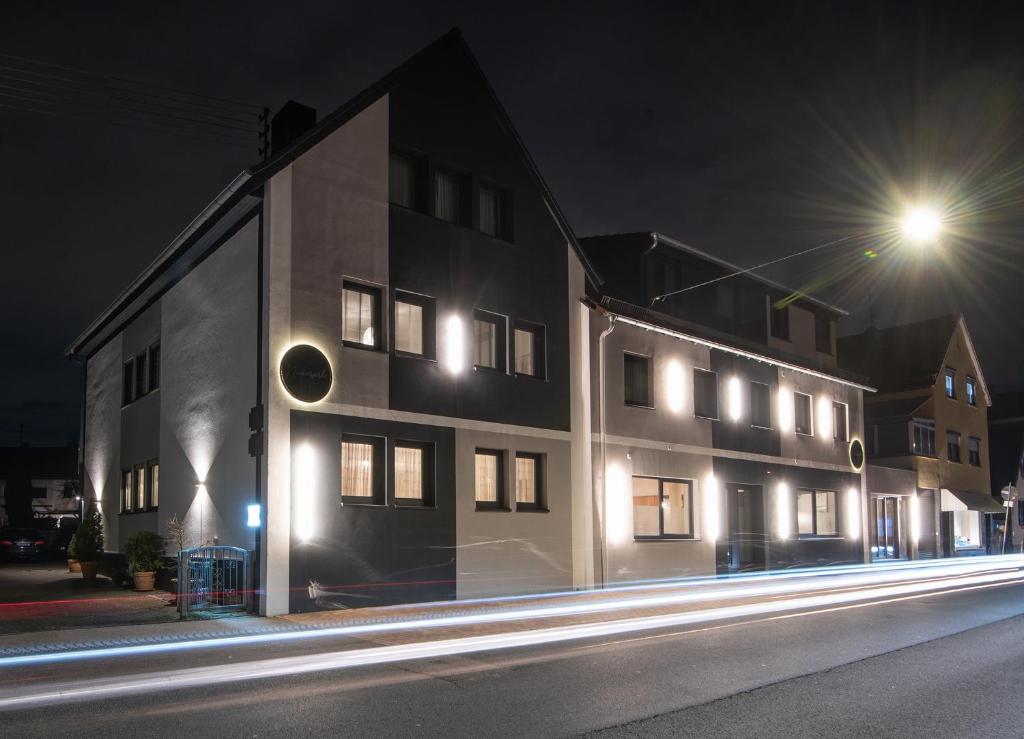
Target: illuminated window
662,508
972,391
953,446
489,340
705,394
360,314
489,483
408,328
127,497
974,451
529,349
950,383
924,437
140,488
636,378
760,405
154,485
840,421
802,419
529,481
966,529
362,479
449,194
413,472
816,513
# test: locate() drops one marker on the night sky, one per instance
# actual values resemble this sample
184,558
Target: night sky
747,130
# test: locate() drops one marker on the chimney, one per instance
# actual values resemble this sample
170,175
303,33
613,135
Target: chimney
289,123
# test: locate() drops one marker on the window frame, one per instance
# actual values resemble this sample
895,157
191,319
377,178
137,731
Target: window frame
540,502
503,197
428,498
140,488
753,405
950,435
926,425
153,350
140,374
796,415
648,403
538,332
375,293
814,492
127,492
500,502
836,405
428,323
661,510
949,383
418,165
464,199
697,404
378,480
151,465
974,454
500,323
783,334
128,382
971,390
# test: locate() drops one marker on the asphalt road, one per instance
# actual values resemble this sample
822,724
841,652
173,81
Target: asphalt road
916,667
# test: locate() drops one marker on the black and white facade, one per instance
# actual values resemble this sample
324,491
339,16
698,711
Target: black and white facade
388,337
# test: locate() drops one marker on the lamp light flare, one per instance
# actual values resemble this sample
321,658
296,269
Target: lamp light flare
824,420
735,396
782,515
785,400
921,225
674,386
455,352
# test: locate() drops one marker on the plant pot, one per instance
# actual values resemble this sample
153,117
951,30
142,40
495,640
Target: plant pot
144,580
74,565
89,570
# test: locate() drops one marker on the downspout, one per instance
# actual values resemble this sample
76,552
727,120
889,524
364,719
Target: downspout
602,433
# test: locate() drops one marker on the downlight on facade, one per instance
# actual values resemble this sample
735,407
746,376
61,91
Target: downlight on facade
304,493
783,522
674,378
454,345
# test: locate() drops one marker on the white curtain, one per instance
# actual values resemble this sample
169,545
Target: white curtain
526,480
357,310
408,472
524,352
408,328
487,478
446,196
486,341
356,469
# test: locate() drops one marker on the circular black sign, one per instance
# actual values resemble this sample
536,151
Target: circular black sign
856,454
306,373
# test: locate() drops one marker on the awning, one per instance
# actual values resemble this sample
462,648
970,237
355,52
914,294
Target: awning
964,500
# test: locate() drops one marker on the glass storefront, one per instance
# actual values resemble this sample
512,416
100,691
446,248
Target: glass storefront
889,526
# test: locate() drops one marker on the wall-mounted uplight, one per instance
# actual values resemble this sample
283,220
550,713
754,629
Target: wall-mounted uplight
304,492
201,487
824,420
783,522
454,345
853,513
734,393
618,504
252,515
712,509
674,386
785,400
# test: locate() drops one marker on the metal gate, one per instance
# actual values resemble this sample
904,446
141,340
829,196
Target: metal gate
213,581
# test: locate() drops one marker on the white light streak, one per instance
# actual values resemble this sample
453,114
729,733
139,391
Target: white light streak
454,345
735,395
674,386
304,492
783,514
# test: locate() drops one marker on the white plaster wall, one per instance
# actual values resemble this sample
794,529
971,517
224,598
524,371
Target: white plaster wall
510,552
102,443
208,384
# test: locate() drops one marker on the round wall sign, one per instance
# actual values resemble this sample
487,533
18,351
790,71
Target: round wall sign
306,373
856,454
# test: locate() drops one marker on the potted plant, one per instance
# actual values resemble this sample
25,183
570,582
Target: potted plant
73,564
89,541
144,551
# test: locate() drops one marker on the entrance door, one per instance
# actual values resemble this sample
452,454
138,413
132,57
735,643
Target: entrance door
746,528
888,534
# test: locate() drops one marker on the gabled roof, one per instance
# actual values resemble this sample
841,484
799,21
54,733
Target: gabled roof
908,356
248,183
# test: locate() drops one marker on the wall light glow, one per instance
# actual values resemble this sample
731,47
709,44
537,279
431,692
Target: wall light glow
783,515
618,504
915,519
824,421
735,395
674,386
454,345
712,509
252,516
785,400
853,513
304,492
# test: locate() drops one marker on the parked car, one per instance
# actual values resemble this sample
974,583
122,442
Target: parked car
24,544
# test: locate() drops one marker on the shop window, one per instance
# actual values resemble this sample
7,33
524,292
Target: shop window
489,334
802,420
529,481
705,394
966,529
760,405
816,513
840,421
780,321
360,314
414,325
414,473
974,451
636,377
662,508
489,479
950,383
953,446
529,350
362,478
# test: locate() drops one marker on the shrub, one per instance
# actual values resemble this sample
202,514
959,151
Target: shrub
144,551
88,539
73,547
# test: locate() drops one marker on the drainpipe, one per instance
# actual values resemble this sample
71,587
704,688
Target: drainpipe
603,448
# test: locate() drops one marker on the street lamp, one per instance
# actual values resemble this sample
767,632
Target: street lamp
921,225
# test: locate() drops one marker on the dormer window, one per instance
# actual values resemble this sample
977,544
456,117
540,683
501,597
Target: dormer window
780,321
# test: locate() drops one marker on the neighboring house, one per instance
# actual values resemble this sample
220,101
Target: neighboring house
1006,456
722,419
52,473
929,415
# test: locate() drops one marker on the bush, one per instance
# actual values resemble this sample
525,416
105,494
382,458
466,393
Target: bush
88,541
73,547
144,551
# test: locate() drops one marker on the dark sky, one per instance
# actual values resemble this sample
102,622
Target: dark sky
748,130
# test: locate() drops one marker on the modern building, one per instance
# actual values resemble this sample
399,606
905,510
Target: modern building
386,350
930,416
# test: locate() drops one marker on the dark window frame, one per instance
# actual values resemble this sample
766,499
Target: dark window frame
627,392
500,322
428,305
419,165
836,405
971,390
778,321
949,389
465,195
503,196
153,367
501,502
375,292
974,456
379,478
837,534
539,333
661,510
428,484
140,475
698,404
540,501
925,425
796,414
127,490
754,414
149,485
128,382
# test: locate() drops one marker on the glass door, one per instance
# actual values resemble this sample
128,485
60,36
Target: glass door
888,532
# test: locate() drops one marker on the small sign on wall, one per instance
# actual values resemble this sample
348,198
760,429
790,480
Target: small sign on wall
306,373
